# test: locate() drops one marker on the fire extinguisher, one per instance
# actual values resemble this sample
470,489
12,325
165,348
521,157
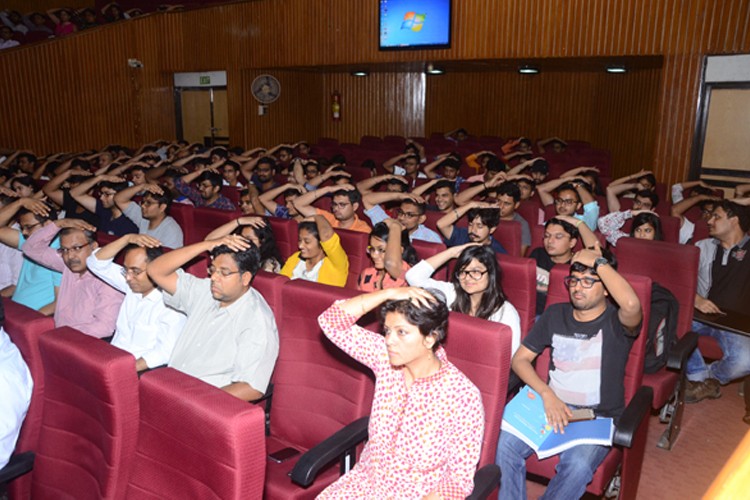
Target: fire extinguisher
336,106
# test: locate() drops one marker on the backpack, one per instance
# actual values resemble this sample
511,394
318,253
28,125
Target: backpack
662,328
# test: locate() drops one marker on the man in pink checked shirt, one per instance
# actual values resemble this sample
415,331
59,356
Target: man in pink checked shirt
84,302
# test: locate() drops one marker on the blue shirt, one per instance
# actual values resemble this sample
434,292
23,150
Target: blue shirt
36,283
590,214
460,236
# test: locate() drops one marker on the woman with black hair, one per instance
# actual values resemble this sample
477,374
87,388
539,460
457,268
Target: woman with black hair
259,233
392,256
321,258
646,225
475,287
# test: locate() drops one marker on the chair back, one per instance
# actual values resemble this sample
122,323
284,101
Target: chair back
90,422
285,232
271,286
206,220
481,350
425,250
196,441
519,285
355,245
508,234
24,327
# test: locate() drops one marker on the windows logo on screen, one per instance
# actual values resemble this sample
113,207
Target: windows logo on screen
413,21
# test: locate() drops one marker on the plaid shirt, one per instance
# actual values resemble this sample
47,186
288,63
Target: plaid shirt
221,203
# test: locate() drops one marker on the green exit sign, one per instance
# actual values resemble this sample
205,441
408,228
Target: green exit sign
205,80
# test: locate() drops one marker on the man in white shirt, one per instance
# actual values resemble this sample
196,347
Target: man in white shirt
15,393
152,216
146,327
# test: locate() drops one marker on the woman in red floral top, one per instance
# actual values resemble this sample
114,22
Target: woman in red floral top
427,420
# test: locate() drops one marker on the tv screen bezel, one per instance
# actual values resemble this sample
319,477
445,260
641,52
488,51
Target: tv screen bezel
417,47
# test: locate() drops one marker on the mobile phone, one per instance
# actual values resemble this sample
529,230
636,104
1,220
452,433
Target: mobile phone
283,454
582,414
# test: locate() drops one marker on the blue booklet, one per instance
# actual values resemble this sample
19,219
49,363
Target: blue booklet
524,417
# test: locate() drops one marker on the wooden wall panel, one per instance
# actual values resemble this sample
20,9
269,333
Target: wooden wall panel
25,6
75,86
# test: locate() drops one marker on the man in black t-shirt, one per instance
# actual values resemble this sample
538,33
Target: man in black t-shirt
560,237
590,340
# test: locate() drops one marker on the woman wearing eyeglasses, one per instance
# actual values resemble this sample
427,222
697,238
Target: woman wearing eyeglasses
474,288
392,256
321,258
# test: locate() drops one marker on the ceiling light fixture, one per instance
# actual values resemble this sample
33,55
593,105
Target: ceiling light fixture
528,70
360,73
432,70
616,69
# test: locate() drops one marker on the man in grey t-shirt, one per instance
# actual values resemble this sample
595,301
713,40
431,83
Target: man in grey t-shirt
152,216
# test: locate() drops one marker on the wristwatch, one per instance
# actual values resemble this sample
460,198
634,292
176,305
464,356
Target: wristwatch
600,261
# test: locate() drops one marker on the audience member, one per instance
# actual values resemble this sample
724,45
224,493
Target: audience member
145,327
63,19
11,259
450,165
230,338
6,38
16,385
258,232
700,194
429,412
474,288
483,221
110,218
406,165
208,193
590,340
345,200
152,217
84,302
569,195
410,214
320,258
392,256
286,211
646,225
560,237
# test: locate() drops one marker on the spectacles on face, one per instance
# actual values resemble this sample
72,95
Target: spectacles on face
474,274
147,203
132,271
74,249
586,282
224,273
565,201
29,227
406,215
375,251
339,205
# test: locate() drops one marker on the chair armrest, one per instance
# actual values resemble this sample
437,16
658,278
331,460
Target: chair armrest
681,350
486,479
308,466
638,408
18,465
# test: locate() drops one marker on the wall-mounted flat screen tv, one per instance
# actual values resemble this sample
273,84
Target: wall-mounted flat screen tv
415,24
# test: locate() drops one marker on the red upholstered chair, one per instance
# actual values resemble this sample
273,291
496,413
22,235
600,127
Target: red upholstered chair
183,214
271,286
24,327
318,389
195,441
90,422
519,285
355,245
432,217
206,220
675,267
482,351
529,210
508,234
198,266
629,440
285,232
425,250
233,193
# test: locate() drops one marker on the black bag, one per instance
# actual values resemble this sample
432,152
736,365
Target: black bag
662,328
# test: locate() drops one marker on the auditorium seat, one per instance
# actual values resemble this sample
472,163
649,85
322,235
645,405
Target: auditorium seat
232,193
519,285
206,220
675,267
432,216
270,286
529,210
195,441
318,389
24,327
482,350
90,422
629,442
183,214
355,245
285,232
425,250
508,234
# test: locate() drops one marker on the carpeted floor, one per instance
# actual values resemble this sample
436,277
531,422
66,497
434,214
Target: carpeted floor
711,431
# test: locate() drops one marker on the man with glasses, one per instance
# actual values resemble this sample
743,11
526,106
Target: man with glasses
569,195
37,286
230,339
345,200
152,217
590,340
483,221
84,302
208,193
560,237
410,214
146,327
109,215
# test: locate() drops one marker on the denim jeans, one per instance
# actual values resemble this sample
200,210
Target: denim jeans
734,364
574,471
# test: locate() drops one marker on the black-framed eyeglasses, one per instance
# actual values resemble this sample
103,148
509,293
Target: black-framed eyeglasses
408,215
73,249
565,201
474,274
586,282
224,273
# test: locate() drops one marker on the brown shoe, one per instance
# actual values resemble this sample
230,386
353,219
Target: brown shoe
698,391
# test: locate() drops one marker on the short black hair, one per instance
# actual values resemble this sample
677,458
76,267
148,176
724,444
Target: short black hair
567,227
430,319
248,261
445,183
39,218
651,178
568,186
220,152
403,186
650,195
490,217
509,189
117,186
736,210
165,198
582,268
215,179
353,194
421,207
540,166
266,161
151,253
495,165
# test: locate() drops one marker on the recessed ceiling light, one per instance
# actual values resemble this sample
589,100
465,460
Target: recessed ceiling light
616,69
360,73
435,71
528,70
